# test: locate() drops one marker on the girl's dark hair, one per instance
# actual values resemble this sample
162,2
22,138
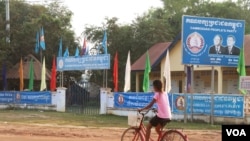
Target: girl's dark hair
157,84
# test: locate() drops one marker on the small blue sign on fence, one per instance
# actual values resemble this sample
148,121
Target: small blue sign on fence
7,97
200,104
34,97
132,100
86,62
24,97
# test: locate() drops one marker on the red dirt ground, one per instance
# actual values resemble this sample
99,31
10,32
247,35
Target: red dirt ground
22,132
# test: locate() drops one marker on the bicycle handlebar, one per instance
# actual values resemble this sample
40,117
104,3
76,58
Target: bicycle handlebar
144,112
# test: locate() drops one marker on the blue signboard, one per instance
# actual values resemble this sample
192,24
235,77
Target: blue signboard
230,106
25,97
86,62
7,97
43,97
178,103
132,100
212,41
223,105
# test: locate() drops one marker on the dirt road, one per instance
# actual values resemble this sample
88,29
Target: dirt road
22,132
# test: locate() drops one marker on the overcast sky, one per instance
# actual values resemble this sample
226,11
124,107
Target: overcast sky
93,12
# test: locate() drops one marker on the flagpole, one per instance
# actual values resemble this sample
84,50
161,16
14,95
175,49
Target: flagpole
106,78
103,77
62,78
41,55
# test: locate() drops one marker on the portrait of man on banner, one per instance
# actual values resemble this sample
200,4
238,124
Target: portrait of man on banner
231,49
217,48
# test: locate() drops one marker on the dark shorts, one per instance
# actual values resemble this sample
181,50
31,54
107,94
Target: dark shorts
156,120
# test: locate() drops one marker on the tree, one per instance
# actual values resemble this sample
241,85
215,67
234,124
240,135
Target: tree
25,20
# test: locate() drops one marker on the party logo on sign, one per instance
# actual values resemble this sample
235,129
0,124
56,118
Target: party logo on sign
195,42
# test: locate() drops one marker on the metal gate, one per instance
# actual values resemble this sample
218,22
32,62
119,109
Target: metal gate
83,98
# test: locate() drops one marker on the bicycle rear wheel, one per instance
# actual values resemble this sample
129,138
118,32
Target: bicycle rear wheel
173,135
131,134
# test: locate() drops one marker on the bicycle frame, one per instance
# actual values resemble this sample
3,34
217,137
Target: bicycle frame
142,129
140,132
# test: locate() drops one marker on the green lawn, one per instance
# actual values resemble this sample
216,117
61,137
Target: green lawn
59,118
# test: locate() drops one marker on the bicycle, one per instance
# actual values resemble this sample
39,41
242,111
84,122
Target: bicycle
135,133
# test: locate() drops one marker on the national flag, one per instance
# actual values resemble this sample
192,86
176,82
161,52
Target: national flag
77,52
21,75
37,46
43,76
115,73
167,73
146,80
53,75
241,68
4,77
42,39
60,48
127,74
84,48
31,75
104,42
66,53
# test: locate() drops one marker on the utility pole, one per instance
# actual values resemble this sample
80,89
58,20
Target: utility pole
7,7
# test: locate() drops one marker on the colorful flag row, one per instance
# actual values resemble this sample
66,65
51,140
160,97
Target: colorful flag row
43,85
127,84
84,50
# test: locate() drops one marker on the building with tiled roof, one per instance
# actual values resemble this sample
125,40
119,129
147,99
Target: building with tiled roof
225,78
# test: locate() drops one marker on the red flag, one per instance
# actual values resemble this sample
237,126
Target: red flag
115,73
84,47
53,75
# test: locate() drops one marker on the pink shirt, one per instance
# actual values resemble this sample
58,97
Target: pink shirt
162,101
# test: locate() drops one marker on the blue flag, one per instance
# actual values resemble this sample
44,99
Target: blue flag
104,42
37,43
66,53
60,48
42,40
77,52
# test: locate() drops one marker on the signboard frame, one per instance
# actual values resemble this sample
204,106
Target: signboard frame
86,62
201,34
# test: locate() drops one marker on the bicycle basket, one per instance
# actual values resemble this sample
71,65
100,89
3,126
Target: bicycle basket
134,119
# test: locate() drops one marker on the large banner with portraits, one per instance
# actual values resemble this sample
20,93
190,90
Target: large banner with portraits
212,41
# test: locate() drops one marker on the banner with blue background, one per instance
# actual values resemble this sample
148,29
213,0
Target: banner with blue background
208,41
86,62
25,97
197,104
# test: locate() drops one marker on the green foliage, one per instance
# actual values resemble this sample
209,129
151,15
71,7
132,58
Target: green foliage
25,21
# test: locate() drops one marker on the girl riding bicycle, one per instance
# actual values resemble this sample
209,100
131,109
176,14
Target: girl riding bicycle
163,115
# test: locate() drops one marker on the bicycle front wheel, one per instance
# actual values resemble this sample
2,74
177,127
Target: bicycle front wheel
132,134
173,135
